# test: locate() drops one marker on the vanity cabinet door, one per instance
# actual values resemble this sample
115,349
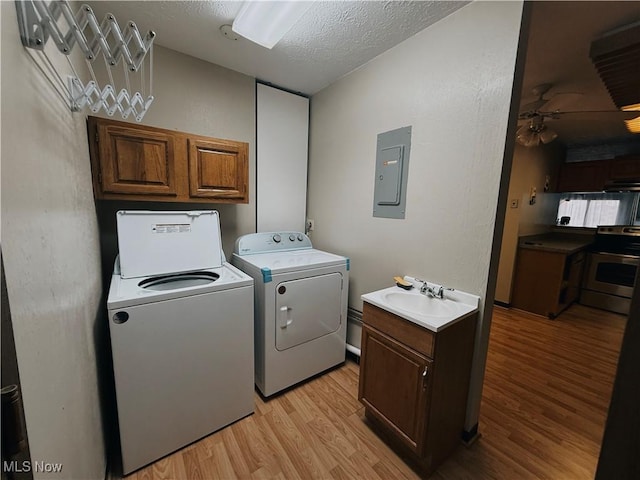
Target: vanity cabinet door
395,384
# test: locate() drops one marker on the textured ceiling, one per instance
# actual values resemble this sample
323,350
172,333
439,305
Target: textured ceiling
332,38
336,37
558,53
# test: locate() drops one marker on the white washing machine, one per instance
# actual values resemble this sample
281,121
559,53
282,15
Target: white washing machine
301,299
181,327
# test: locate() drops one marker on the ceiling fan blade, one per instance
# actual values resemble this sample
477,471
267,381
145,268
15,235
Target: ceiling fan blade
562,101
532,107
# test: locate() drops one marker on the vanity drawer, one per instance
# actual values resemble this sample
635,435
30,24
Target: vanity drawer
418,338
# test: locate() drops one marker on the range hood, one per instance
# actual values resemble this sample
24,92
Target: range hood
626,185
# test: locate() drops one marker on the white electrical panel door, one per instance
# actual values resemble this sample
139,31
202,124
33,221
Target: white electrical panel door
282,125
307,308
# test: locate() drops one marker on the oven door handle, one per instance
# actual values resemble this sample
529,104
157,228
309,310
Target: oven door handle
617,255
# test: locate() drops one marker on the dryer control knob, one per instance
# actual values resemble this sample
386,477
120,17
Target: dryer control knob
292,237
300,237
277,238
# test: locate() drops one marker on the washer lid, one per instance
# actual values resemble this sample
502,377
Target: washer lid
156,243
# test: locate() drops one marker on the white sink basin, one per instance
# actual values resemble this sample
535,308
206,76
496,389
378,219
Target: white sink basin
420,304
432,313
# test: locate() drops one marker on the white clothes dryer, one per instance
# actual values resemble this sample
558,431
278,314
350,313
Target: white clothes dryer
181,328
301,297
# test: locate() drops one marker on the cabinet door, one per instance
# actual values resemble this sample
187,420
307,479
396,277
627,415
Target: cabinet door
218,169
395,386
583,176
135,160
625,168
538,281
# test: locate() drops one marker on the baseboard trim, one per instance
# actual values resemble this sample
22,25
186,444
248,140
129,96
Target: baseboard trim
502,304
469,437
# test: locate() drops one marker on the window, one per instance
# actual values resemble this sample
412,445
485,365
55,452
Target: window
593,209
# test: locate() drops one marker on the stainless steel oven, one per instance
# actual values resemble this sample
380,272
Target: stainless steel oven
612,264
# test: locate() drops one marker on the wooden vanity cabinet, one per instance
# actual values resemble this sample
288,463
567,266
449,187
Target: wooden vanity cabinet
138,162
414,383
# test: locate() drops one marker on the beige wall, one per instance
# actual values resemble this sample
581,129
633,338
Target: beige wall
529,169
51,257
50,234
202,98
452,83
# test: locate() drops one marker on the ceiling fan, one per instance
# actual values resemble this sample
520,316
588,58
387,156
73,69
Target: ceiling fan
534,131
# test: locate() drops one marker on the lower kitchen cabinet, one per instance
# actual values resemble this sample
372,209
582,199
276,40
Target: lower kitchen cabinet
414,383
546,282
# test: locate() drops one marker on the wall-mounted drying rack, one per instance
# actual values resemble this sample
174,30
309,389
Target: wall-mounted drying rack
39,21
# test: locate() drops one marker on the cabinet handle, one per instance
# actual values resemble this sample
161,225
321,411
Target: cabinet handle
424,377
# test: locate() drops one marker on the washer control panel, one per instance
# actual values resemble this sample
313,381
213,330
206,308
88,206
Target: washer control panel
271,242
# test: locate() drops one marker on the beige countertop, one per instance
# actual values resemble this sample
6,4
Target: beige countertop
556,242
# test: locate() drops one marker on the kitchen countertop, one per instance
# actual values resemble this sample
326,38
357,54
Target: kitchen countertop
565,243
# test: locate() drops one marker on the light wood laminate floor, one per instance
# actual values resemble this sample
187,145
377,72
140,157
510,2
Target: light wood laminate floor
545,399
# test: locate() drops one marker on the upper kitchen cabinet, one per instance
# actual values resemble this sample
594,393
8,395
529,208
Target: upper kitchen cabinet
137,162
625,168
583,176
593,176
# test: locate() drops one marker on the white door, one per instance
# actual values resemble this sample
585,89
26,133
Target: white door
282,126
307,308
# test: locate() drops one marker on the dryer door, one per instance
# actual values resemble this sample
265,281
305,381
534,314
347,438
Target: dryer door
307,308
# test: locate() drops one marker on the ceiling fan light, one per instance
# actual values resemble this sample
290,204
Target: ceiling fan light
548,136
633,125
525,136
265,22
533,141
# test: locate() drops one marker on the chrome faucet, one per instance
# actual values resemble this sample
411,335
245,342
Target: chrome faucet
437,291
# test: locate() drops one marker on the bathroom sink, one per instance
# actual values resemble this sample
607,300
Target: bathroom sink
420,304
432,313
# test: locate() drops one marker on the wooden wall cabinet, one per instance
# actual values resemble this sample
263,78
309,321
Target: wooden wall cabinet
137,162
583,176
414,383
625,168
547,282
593,175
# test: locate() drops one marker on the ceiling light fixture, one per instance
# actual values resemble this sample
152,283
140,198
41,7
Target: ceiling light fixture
534,132
266,22
633,125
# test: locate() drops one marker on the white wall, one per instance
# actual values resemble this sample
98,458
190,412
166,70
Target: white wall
529,168
51,256
452,83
